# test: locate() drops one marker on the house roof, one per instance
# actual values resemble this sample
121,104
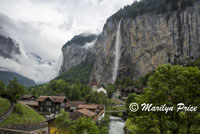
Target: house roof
75,115
101,106
74,103
52,98
87,112
27,96
29,103
87,106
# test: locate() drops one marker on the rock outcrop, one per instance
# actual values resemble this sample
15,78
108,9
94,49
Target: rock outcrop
147,41
8,47
77,50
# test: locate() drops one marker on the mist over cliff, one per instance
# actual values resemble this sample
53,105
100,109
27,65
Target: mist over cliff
133,45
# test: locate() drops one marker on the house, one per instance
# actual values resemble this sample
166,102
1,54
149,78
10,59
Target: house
52,129
101,89
28,98
98,109
81,110
51,104
72,105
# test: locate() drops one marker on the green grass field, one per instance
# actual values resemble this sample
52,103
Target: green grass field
21,115
4,105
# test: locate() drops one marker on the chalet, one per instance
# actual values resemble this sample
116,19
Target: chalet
51,104
28,98
52,129
82,110
98,109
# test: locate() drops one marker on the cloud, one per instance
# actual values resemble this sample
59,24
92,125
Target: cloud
29,68
43,26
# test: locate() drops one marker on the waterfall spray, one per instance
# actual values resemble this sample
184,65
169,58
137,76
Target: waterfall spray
117,52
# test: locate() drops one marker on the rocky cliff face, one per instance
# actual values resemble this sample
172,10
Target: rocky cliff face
8,47
147,41
77,50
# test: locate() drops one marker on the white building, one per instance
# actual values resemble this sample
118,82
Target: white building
101,89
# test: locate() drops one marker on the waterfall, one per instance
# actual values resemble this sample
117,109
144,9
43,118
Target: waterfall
117,52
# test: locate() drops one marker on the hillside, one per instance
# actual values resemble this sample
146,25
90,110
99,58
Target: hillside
5,76
4,105
22,114
80,72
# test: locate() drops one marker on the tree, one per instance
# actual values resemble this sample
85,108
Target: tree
99,98
111,88
2,87
15,90
63,123
84,125
170,85
131,98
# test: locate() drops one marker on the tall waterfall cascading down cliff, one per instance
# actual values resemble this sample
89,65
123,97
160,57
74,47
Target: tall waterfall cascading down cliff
117,52
134,46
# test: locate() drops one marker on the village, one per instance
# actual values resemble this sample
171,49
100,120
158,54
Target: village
50,106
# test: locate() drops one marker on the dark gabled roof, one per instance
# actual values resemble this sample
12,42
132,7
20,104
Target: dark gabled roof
87,106
75,115
74,103
27,96
52,98
29,103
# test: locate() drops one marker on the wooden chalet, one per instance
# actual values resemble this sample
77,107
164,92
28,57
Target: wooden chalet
51,104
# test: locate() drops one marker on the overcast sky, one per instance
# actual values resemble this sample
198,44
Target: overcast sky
43,26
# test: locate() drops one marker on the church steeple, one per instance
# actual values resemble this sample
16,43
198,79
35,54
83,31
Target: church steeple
94,80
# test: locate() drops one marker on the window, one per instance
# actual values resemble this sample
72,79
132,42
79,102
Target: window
48,103
49,109
57,106
41,108
63,104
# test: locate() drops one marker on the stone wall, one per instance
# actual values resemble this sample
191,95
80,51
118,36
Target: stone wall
28,127
9,131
